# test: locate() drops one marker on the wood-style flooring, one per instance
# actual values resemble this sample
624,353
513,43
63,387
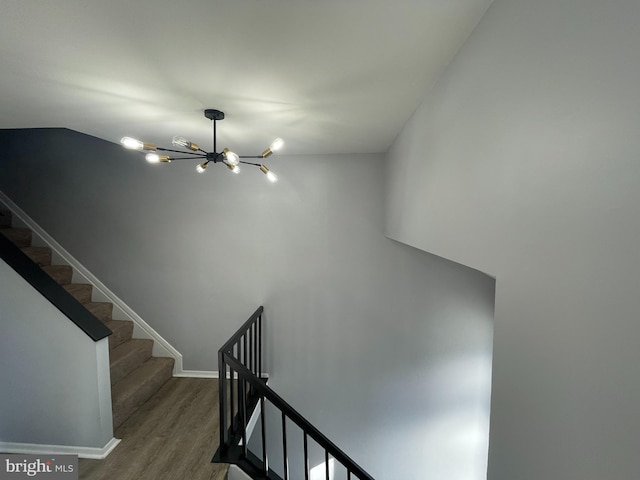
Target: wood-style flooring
171,437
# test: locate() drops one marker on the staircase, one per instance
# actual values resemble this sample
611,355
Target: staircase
135,374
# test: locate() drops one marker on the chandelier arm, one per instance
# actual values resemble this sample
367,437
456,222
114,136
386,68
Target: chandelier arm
250,163
187,158
179,151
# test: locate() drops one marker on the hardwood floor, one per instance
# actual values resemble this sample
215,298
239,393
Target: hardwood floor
171,437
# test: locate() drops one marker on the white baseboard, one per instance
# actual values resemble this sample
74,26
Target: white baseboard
207,374
196,374
82,452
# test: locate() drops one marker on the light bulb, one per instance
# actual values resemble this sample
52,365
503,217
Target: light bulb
276,144
234,168
231,158
201,167
180,142
270,175
155,158
183,142
131,143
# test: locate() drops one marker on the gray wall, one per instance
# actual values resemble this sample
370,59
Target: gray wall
386,348
51,389
523,162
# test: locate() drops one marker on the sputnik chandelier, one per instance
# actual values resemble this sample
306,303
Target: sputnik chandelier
227,157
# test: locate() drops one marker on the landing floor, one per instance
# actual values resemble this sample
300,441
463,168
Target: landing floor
171,437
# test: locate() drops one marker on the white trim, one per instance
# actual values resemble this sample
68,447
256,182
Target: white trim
196,374
161,348
251,424
208,374
82,452
235,473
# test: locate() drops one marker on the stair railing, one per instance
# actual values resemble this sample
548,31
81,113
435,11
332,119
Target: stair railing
240,361
49,288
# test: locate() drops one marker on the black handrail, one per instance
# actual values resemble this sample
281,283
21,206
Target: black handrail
52,291
235,359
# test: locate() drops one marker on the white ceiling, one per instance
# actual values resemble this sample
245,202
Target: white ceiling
328,76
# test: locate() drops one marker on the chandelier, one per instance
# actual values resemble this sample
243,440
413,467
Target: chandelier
226,157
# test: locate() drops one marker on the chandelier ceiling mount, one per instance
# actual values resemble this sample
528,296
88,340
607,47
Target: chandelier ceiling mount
213,114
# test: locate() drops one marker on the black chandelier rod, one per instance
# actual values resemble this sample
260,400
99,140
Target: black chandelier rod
205,156
179,151
215,148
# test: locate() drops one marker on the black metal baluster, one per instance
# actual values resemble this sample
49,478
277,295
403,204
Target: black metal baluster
284,447
260,346
247,347
244,350
250,353
222,399
233,390
232,399
348,474
255,348
243,415
263,414
306,457
326,464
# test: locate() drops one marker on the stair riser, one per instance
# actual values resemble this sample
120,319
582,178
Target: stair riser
82,292
21,237
122,332
102,310
60,273
5,219
40,255
137,355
